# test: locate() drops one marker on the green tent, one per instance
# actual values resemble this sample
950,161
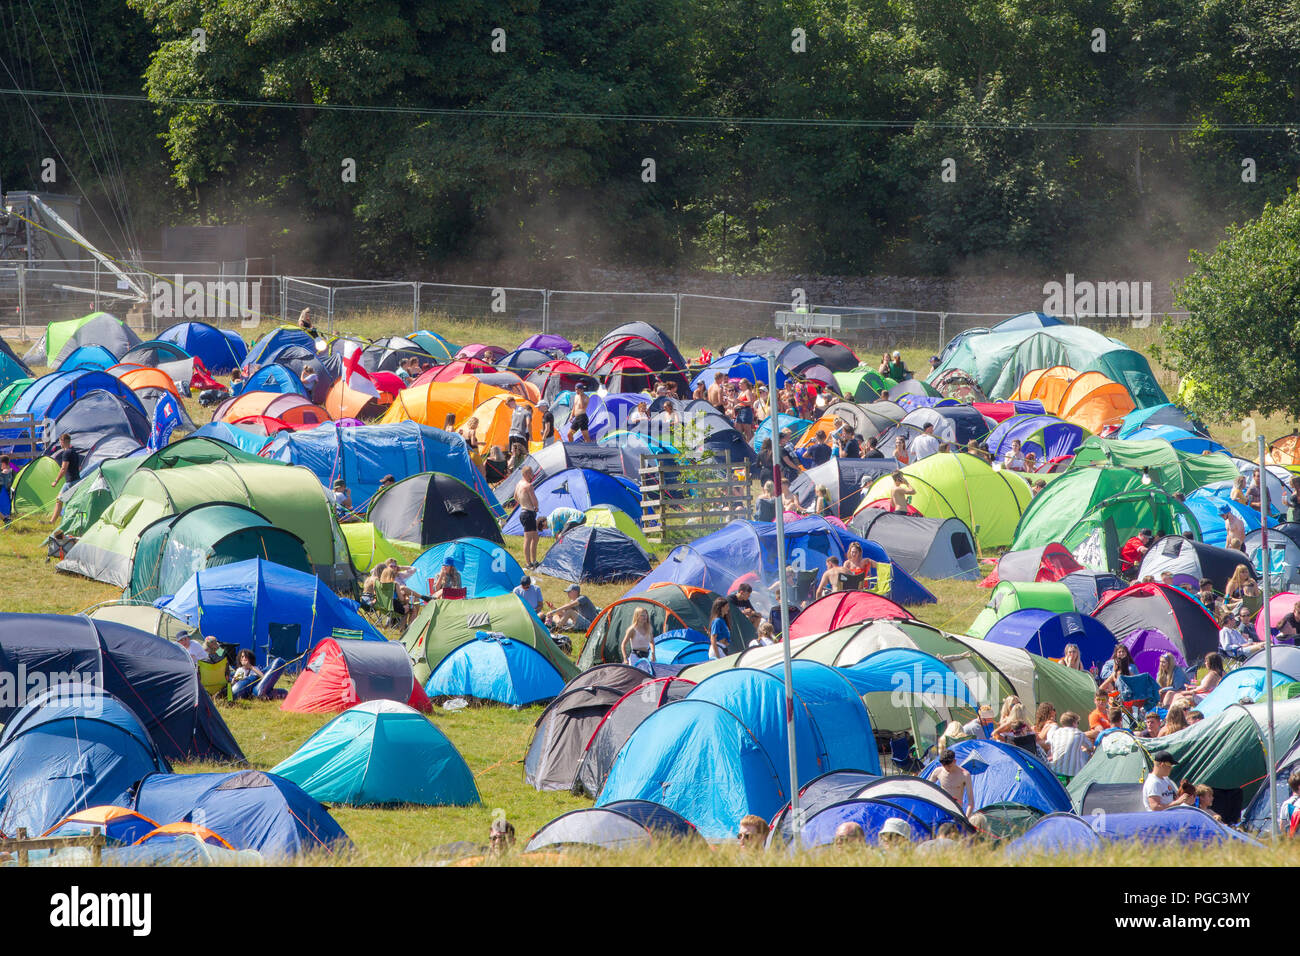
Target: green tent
998,361
1011,596
367,546
670,606
31,492
862,384
965,487
443,626
1119,758
1228,750
55,345
288,496
1173,470
605,516
1287,691
10,394
98,489
1105,504
175,547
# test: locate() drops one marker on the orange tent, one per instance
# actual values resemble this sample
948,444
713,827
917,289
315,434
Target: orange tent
1094,401
344,402
136,377
430,404
494,422
193,829
1285,451
1050,385
827,423
290,408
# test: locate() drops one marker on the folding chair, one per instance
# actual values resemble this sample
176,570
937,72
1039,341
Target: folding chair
1138,693
384,594
214,676
900,752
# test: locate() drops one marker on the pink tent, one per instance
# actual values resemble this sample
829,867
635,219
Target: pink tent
1279,606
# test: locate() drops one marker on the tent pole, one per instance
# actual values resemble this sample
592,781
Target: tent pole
783,598
1268,642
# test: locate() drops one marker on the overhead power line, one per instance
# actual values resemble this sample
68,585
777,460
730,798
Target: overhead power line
667,119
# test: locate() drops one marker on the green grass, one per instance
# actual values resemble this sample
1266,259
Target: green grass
493,740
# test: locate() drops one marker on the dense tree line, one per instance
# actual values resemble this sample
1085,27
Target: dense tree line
1018,95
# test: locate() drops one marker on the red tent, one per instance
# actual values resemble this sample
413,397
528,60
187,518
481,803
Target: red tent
998,411
842,608
1051,562
445,373
341,673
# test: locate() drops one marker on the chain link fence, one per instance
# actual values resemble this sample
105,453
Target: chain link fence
231,297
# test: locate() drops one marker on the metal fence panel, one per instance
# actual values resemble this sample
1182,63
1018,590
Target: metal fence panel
521,309
583,317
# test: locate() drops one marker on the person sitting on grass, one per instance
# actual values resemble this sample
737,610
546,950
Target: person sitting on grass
575,615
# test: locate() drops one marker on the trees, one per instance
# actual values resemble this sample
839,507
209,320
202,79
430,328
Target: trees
1241,343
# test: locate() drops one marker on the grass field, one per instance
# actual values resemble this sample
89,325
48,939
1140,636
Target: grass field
493,739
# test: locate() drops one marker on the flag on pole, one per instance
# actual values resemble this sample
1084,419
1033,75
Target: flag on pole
166,416
355,376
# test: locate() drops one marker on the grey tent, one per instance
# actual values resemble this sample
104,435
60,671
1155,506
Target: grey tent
99,328
102,426
1189,561
617,726
566,725
341,672
1088,587
385,355
430,508
1098,797
923,547
842,477
1284,556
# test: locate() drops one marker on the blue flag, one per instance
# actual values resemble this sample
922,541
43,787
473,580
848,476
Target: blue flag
166,416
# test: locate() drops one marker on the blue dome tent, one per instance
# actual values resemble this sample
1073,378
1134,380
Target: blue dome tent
1046,633
497,669
581,488
1002,773
272,610
249,809
485,567
69,749
595,555
220,350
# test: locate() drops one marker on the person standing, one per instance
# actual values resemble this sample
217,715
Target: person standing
578,421
69,460
521,421
1069,747
639,638
719,629
925,444
899,494
526,496
955,780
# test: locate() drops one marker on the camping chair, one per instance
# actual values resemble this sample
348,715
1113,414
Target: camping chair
900,752
804,583
384,593
214,676
884,580
282,640
853,582
1138,693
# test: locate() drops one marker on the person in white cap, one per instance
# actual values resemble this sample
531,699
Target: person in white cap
895,832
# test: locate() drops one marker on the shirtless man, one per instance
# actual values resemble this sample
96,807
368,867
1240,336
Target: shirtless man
578,420
898,496
832,578
526,497
716,392
955,781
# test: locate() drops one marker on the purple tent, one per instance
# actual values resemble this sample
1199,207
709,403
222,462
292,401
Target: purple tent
546,342
1147,646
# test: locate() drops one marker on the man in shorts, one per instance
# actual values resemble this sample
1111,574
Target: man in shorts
521,422
578,422
69,461
526,497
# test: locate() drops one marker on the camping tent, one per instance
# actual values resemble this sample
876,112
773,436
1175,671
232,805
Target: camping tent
1050,562
444,625
290,498
367,546
249,809
566,725
1046,633
1046,436
844,607
1010,596
670,606
939,548
581,488
1002,772
70,748
63,338
1284,556
842,478
962,486
617,826
362,456
1171,611
1089,587
484,566
432,507
174,547
271,610
1172,469
220,350
381,752
1191,561
496,669
341,672
595,556
156,679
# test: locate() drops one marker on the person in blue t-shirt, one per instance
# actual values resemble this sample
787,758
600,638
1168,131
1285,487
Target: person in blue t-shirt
719,629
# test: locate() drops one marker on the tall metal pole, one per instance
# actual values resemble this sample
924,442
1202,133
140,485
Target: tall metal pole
1265,563
782,595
